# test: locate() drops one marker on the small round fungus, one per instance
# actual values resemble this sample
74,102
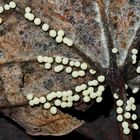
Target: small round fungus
135,90
119,118
47,66
101,78
126,131
68,69
99,99
135,126
60,33
53,110
132,100
72,63
128,108
77,64
57,102
27,9
127,115
125,124
119,110
58,59
76,97
42,100
114,50
84,66
45,27
31,103
116,96
37,21
119,102
92,71
69,104
63,104
0,20
12,4
81,73
65,61
134,51
47,105
69,42
30,96
138,69
59,39
36,100
93,95
52,33
74,74
58,68
6,7
1,9
134,117
133,107
86,99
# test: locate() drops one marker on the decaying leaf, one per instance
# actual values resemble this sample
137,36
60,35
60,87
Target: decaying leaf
96,27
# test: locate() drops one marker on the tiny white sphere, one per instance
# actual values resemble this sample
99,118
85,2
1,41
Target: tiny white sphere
134,51
101,78
7,7
78,88
126,86
98,93
63,104
58,68
40,58
133,107
99,99
101,88
29,96
125,124
60,33
69,42
93,83
132,100
1,9
76,98
69,93
93,95
31,103
119,102
84,66
85,93
68,69
77,64
74,74
134,57
65,61
58,59
92,71
36,100
47,66
134,117
90,89
50,60
135,126
12,4
65,40
27,9
81,73
119,118
70,98
134,61
45,27
72,63
135,90
83,86
49,97
52,33
128,108
115,95
138,69
127,115
126,131
0,20
59,94
86,99
53,110
37,21
47,105
119,110
59,39
29,16
57,102
42,100
114,50
69,104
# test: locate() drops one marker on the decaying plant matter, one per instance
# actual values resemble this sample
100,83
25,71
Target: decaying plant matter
105,35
